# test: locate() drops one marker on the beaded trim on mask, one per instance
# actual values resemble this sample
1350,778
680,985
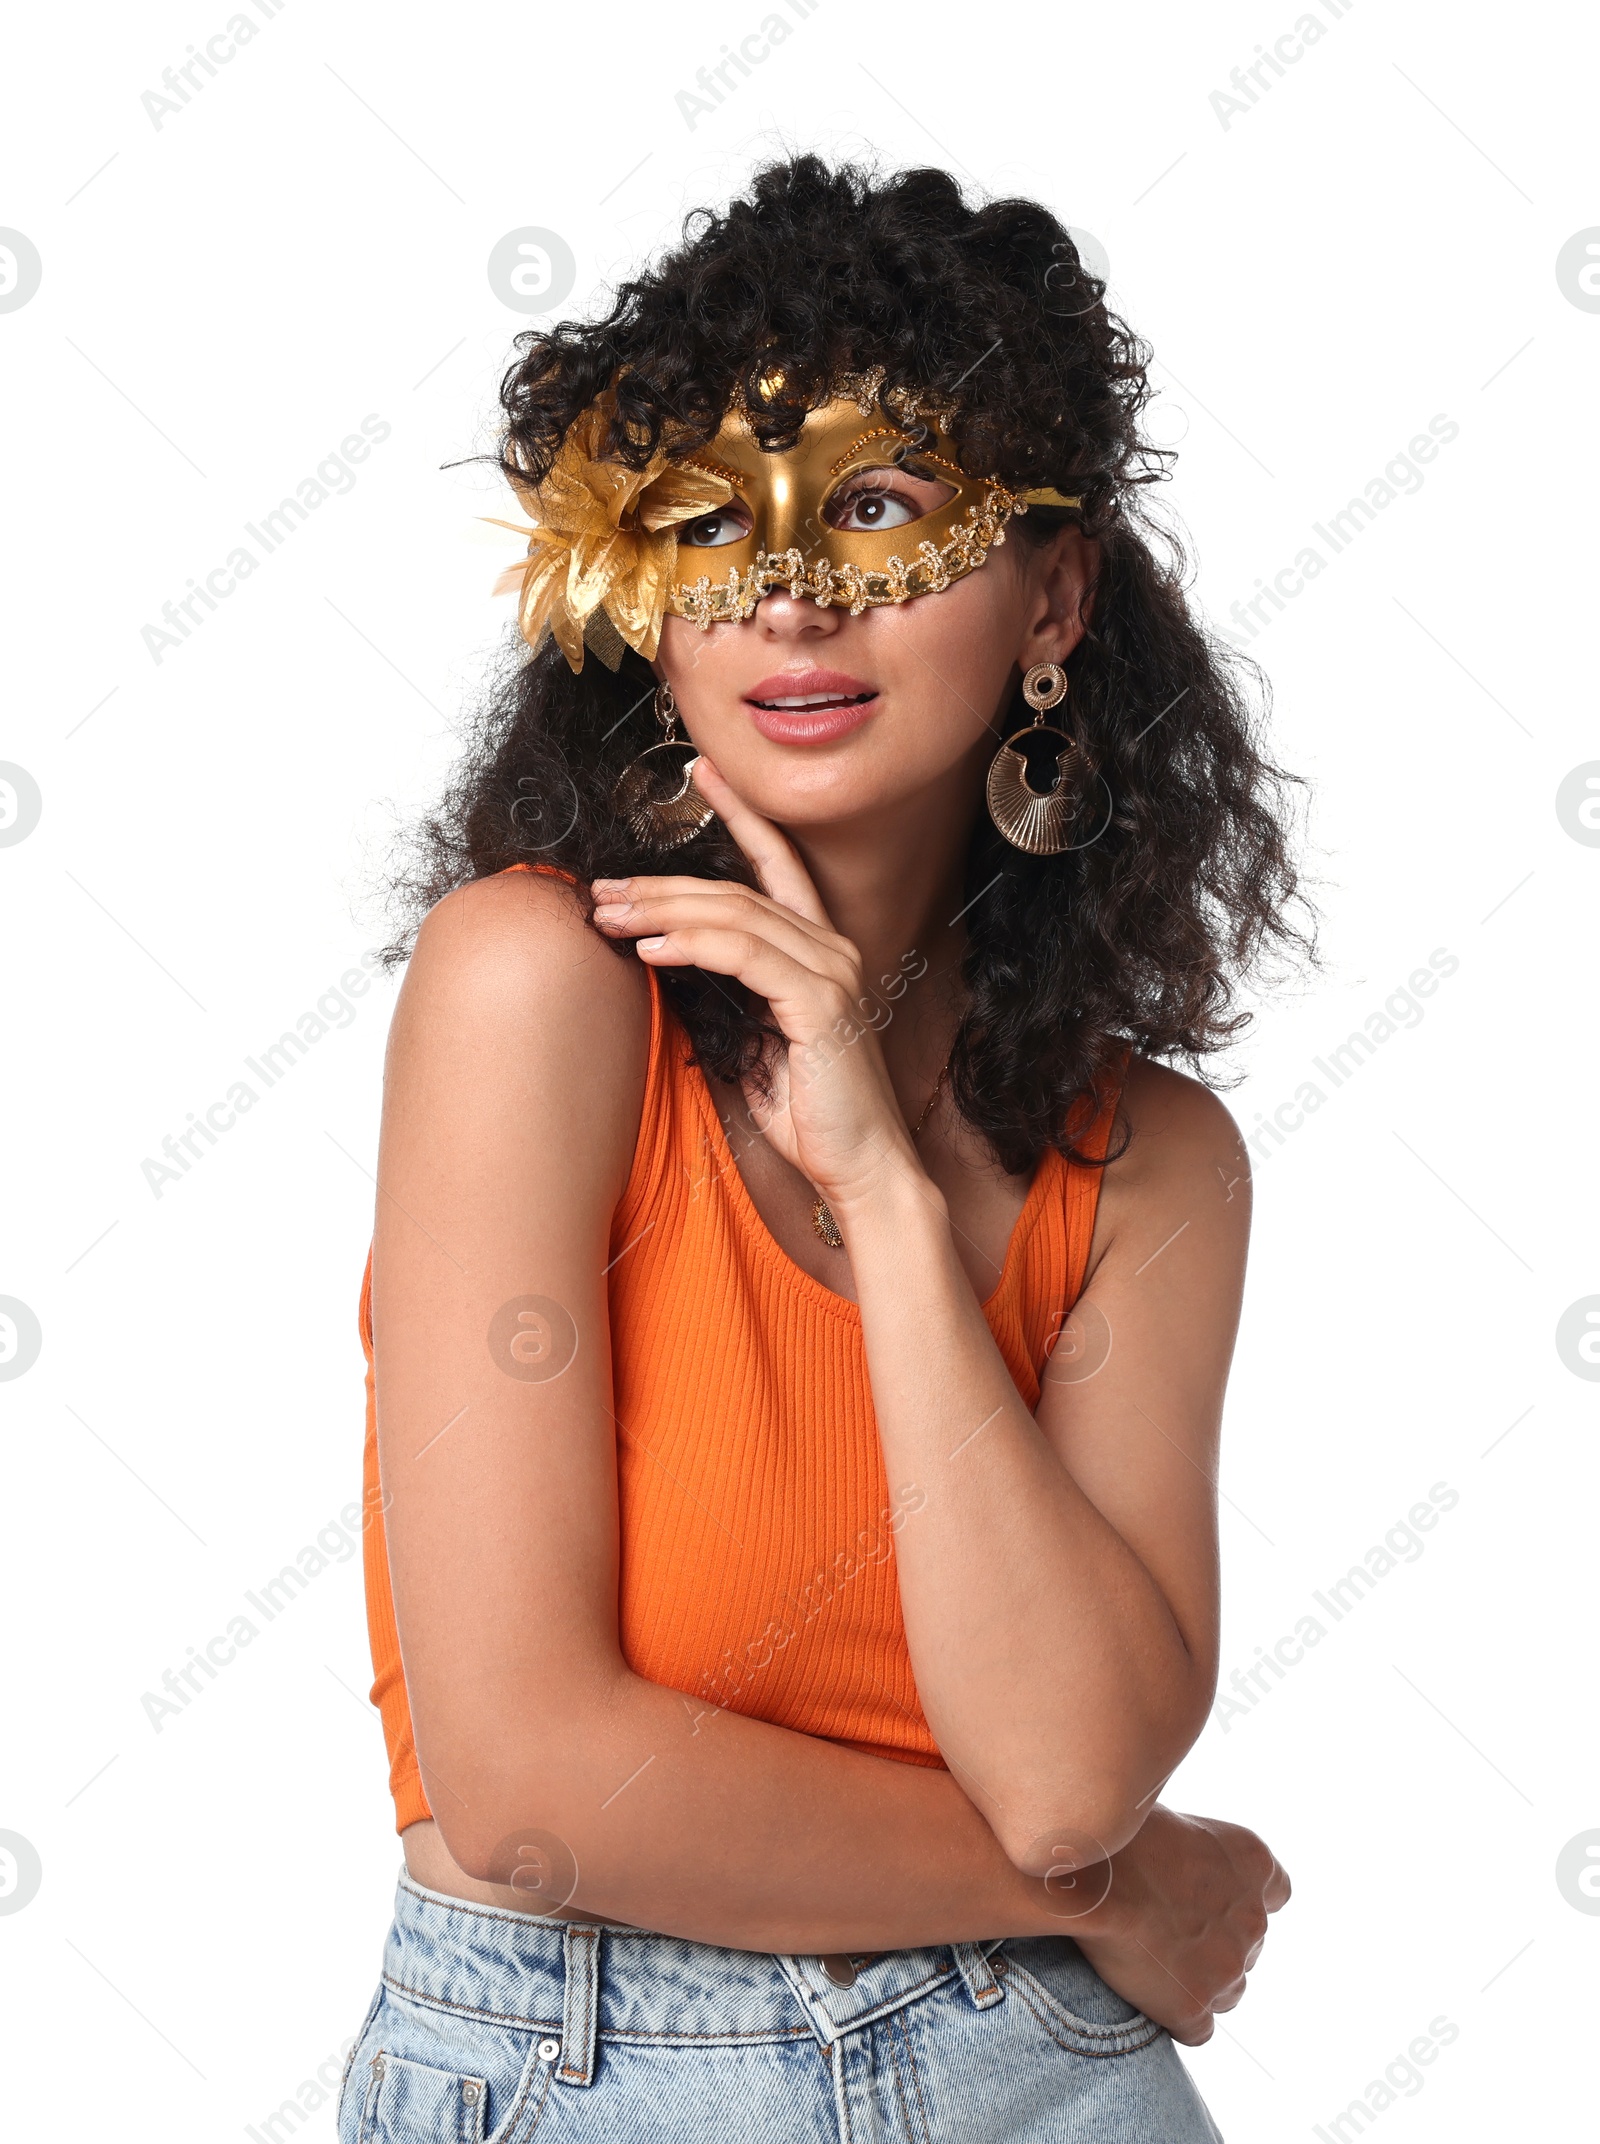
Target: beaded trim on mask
933,568
861,388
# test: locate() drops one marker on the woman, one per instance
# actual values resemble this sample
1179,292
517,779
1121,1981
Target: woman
799,1341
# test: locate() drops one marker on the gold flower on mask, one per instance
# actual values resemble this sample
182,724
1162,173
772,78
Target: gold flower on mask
602,553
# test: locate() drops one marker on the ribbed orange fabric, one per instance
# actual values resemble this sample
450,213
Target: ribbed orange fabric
757,1523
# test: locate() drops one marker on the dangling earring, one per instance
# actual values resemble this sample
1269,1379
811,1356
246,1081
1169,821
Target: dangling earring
660,820
1040,823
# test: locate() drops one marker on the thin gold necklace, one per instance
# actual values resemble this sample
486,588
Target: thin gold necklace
821,1214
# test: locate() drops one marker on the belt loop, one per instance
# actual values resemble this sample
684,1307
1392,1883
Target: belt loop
973,1966
580,2002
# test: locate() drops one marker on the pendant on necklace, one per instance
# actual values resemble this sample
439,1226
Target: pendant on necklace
826,1226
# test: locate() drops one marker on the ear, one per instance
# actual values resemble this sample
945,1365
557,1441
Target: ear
1061,576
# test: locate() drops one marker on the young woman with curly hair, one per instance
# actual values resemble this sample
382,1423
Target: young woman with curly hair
801,1299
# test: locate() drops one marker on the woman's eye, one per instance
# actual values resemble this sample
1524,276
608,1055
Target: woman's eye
872,508
729,524
884,500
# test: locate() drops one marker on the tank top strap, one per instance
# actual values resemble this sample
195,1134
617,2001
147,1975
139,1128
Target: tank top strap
1051,1276
1091,1137
656,1151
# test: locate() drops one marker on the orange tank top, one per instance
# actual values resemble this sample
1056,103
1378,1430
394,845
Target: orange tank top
757,1522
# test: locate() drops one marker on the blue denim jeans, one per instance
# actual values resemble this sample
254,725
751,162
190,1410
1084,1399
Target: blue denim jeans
490,2027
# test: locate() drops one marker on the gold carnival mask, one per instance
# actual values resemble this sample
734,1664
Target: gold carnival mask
613,550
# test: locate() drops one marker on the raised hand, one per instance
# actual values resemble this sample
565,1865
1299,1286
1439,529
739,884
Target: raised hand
833,1114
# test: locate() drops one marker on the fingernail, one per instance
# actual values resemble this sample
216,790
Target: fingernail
651,945
608,885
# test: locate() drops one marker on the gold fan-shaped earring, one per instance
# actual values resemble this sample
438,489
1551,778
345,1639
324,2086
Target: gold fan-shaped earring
657,818
1039,822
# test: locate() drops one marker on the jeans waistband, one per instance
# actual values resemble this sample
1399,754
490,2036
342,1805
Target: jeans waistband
578,1982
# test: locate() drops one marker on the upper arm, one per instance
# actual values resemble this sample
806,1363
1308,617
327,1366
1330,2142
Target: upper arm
1132,1395
511,1106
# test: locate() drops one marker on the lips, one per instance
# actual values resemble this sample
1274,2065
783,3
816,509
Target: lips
810,706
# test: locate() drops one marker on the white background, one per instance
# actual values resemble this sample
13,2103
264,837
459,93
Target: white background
224,297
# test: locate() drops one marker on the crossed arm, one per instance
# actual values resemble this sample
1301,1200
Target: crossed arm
1064,1670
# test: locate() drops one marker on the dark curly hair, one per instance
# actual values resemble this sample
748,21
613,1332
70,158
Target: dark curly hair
1139,936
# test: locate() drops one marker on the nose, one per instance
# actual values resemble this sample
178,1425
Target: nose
780,616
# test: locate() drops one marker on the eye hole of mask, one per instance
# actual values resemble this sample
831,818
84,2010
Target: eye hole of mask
729,524
870,499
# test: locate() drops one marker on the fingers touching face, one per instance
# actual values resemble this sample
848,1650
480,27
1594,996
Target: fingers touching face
778,865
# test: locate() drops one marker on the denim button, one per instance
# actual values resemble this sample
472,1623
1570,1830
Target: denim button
469,2092
840,1969
548,2050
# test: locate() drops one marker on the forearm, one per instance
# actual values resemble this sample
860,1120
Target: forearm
728,1830
1049,1665
1172,1923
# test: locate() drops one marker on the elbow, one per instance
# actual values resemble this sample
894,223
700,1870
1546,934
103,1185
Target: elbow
504,1823
1061,1841
466,1857
470,1846
1057,1821
518,1811
531,1858
468,1800
469,1836
1050,1826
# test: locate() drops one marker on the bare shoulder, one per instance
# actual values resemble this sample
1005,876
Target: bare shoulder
514,948
1183,1164
515,930
1166,1108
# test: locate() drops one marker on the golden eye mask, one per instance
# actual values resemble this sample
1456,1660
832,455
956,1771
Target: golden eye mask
707,535
791,503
